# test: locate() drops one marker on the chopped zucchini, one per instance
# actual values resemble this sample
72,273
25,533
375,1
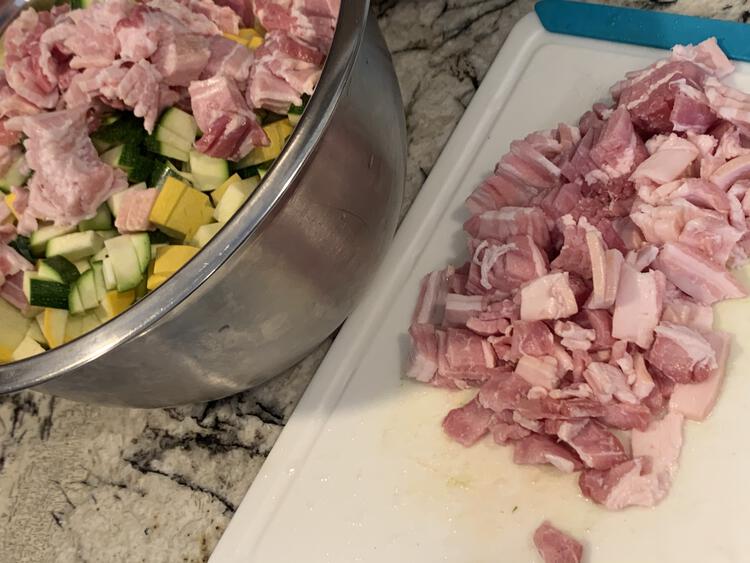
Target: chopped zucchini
165,149
39,238
86,286
110,282
101,288
234,197
102,221
75,304
129,159
35,332
23,247
75,246
218,192
142,245
205,233
208,172
165,169
126,129
41,292
180,123
59,269
16,175
82,266
125,263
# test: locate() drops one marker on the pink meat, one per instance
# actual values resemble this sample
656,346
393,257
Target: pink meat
626,484
696,400
431,303
12,292
193,20
135,208
510,221
183,58
618,150
531,338
727,174
312,21
712,237
423,354
70,182
625,416
555,546
691,111
608,381
460,308
548,297
538,372
638,305
606,266
696,275
498,191
595,445
668,163
574,254
537,449
11,262
707,55
230,128
728,103
469,423
504,267
682,354
227,58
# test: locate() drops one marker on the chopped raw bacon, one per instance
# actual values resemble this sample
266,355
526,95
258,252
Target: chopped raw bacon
583,313
555,546
135,208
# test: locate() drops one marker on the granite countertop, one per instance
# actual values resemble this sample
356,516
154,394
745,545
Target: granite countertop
80,483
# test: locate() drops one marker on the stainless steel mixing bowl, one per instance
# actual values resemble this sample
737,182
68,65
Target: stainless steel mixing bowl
284,272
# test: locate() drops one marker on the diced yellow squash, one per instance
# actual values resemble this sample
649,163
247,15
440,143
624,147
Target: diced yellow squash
13,328
155,281
249,33
179,209
235,196
236,38
74,327
277,132
219,192
90,322
204,234
171,258
54,323
27,348
9,199
255,42
35,332
170,194
116,302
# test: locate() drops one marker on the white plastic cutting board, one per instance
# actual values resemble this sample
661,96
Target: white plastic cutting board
363,472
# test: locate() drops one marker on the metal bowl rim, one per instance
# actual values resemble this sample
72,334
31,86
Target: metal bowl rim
244,226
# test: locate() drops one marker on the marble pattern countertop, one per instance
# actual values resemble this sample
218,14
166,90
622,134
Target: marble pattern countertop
80,483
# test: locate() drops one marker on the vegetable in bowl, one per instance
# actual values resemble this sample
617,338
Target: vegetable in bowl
130,134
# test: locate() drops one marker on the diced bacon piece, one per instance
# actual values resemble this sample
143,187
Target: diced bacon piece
531,338
703,194
11,262
70,182
696,275
135,208
23,65
497,192
548,297
462,355
460,308
625,416
727,174
649,95
577,390
619,150
529,165
661,443
624,485
682,354
597,447
608,381
538,449
195,21
508,222
12,292
696,400
423,356
643,383
573,336
538,372
640,297
684,311
728,103
601,322
628,232
555,546
310,21
691,111
90,35
183,58
643,258
574,254
227,58
504,267
507,432
230,128
502,392
561,201
227,20
469,423
433,291
707,55
712,237
668,163
140,89
605,269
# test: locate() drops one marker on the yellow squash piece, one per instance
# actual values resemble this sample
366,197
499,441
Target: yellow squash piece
171,258
277,132
155,281
27,348
217,194
54,323
179,209
9,199
205,233
116,302
236,38
13,328
74,327
253,37
35,331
